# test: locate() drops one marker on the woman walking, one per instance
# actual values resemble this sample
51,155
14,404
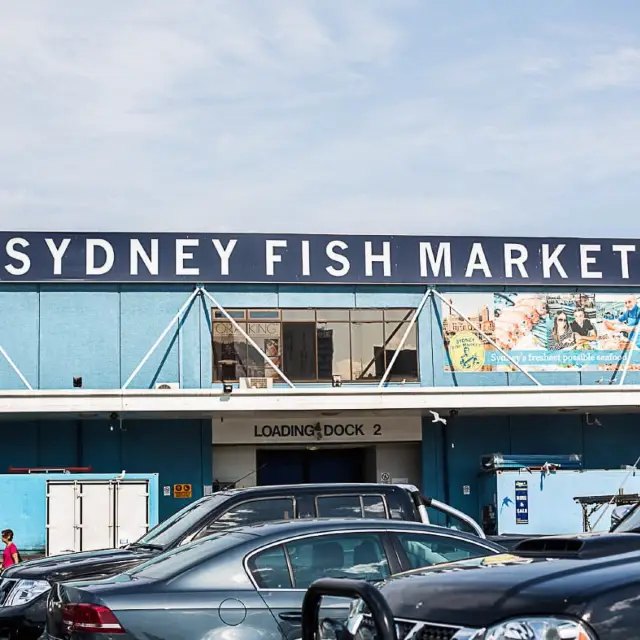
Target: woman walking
10,555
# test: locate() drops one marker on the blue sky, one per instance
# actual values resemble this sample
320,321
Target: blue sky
376,116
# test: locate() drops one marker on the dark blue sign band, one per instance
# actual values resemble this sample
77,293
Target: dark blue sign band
321,259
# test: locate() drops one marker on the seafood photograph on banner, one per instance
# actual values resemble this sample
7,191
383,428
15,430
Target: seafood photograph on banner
540,331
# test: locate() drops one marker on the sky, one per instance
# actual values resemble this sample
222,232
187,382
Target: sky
321,116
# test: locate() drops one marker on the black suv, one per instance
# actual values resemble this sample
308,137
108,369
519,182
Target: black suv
23,588
583,587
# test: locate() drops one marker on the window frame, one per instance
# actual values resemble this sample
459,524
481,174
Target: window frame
244,316
352,495
393,561
404,558
291,497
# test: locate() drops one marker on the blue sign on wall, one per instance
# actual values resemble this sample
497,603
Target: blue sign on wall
343,259
522,502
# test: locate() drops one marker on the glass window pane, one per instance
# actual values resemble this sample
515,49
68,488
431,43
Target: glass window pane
299,350
357,556
339,507
374,507
299,315
332,315
270,570
230,353
267,337
397,509
424,550
254,512
367,354
236,314
334,350
264,314
398,315
366,315
406,365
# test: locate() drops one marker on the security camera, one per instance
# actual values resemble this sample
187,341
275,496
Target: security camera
453,413
113,416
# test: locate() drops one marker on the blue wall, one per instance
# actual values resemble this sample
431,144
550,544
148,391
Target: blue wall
451,453
101,332
24,508
179,450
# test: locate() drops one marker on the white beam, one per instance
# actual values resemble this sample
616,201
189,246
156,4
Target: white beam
15,368
632,346
249,339
487,338
161,337
396,353
207,402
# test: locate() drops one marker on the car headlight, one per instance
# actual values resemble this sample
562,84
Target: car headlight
24,591
533,628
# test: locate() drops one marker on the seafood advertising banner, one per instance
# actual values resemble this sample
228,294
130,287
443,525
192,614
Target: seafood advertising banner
542,332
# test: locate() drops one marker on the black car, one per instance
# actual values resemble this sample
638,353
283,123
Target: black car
23,588
583,587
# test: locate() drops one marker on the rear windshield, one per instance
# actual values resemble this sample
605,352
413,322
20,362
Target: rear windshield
631,521
178,560
179,524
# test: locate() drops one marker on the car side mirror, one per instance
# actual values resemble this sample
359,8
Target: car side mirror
345,588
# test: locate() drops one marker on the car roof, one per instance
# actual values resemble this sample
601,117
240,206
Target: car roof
278,529
335,488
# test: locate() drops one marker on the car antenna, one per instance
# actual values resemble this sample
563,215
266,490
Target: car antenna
246,475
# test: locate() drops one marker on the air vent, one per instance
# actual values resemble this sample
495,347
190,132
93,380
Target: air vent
167,385
592,545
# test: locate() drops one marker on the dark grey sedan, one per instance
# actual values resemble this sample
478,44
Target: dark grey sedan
248,583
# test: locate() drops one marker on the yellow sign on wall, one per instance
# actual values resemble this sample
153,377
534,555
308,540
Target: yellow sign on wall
466,351
182,491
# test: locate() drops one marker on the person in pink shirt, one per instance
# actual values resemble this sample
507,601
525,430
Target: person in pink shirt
10,555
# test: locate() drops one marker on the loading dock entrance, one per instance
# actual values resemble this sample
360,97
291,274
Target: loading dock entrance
294,466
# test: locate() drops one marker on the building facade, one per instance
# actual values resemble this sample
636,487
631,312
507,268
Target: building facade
311,358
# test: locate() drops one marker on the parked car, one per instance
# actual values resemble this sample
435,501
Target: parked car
249,580
582,587
23,588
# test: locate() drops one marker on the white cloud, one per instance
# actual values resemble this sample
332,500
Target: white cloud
620,68
304,115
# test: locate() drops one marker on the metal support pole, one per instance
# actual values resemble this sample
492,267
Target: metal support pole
15,368
634,344
487,338
396,353
149,353
248,338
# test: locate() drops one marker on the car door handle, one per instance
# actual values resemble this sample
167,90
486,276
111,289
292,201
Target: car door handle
291,616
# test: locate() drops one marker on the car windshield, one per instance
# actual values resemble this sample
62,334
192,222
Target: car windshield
631,521
169,564
179,524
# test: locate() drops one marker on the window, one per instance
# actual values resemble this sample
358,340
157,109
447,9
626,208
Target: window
233,355
374,507
251,512
315,344
424,550
397,509
270,570
180,523
358,556
176,561
339,507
